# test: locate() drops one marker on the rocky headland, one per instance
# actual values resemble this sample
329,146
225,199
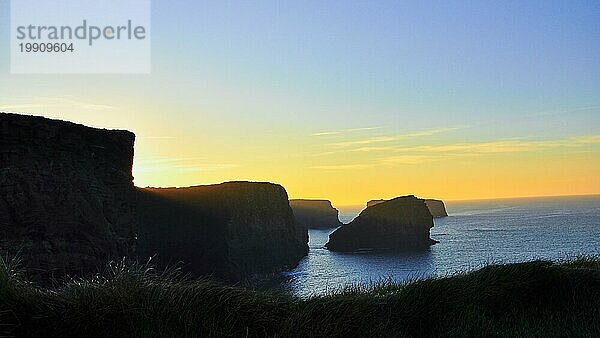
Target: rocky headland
374,202
402,223
67,200
315,214
68,205
436,207
227,230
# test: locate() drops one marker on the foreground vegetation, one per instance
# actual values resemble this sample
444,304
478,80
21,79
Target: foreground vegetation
542,299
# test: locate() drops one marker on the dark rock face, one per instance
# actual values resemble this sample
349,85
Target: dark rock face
228,230
316,214
401,223
67,199
436,207
374,202
68,206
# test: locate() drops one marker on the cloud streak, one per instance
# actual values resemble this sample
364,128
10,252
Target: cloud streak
343,166
370,140
505,145
573,110
393,156
392,138
55,102
343,131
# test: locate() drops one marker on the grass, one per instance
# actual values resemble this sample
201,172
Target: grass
540,299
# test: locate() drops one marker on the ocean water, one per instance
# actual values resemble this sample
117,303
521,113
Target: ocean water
475,233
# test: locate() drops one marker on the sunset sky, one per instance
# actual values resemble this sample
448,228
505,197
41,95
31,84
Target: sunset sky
351,100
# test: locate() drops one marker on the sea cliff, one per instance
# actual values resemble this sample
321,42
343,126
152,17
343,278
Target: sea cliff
316,214
68,205
228,230
67,201
436,207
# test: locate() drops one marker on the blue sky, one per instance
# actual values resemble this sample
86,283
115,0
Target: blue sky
250,74
362,61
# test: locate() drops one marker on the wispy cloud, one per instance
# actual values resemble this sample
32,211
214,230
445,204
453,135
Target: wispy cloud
326,133
343,131
567,111
380,143
585,139
505,145
429,132
53,102
409,159
392,138
343,166
390,156
388,161
370,140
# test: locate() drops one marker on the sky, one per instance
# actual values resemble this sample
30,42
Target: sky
351,100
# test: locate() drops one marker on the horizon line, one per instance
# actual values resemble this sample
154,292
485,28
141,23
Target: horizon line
488,198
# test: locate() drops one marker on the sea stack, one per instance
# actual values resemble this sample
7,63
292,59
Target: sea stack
436,207
67,197
315,214
229,230
402,223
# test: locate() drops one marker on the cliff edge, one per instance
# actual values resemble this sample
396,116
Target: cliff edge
228,230
317,214
436,207
67,199
398,224
68,206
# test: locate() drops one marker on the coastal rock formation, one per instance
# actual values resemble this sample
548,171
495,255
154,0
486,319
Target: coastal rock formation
374,202
399,224
316,214
68,206
67,199
228,230
436,207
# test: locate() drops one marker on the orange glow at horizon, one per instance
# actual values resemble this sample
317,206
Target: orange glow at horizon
563,167
475,100
351,166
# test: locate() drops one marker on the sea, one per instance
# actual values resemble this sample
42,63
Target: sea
475,233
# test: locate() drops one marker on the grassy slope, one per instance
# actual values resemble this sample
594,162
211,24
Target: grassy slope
533,299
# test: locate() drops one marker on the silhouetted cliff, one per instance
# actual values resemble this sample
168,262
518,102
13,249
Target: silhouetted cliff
228,230
436,207
315,213
66,193
400,223
374,202
68,205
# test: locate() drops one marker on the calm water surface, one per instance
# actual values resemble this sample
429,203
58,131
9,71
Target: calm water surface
475,233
